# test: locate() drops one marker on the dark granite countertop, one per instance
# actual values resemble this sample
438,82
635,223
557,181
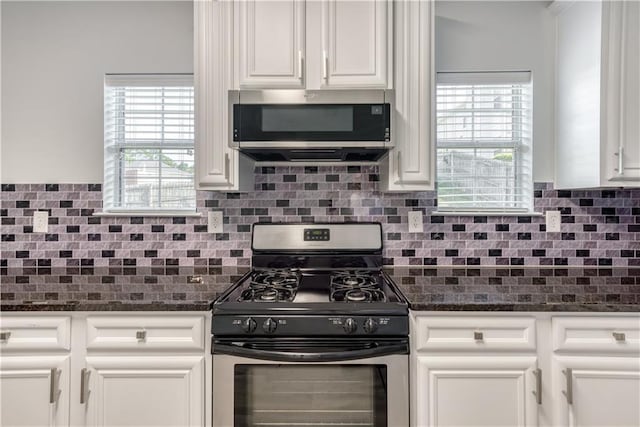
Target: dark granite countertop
551,289
520,289
107,306
586,308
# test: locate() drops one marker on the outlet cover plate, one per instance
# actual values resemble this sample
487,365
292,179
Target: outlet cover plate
215,222
40,221
553,221
415,222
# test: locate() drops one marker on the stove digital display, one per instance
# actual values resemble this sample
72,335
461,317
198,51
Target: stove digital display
316,234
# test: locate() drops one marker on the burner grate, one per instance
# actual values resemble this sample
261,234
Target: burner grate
356,286
271,286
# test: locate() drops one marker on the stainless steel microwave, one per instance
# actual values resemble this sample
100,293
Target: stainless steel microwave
320,128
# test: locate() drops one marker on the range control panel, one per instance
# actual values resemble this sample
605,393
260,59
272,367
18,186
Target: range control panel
311,325
316,234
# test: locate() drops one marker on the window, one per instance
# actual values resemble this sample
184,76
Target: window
149,133
484,142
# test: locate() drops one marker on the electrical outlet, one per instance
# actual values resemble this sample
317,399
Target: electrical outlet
415,222
40,221
553,221
215,222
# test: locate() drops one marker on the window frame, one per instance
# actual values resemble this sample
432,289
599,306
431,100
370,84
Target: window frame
113,185
522,150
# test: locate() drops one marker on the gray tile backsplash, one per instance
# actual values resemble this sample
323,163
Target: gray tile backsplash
599,227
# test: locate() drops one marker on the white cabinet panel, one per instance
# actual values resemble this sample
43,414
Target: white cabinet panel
410,166
476,391
145,332
598,94
479,333
611,335
355,43
269,40
22,333
621,82
145,391
217,165
34,391
603,391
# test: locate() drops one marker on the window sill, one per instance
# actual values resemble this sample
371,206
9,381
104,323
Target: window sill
485,213
147,213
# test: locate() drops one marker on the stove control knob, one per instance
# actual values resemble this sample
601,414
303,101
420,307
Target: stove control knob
249,325
370,326
350,326
269,326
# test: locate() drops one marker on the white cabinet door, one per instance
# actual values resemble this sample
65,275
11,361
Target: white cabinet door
475,391
621,81
597,391
34,391
410,166
269,40
355,43
598,94
217,165
145,391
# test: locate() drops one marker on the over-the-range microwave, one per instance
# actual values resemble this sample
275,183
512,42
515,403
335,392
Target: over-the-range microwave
302,126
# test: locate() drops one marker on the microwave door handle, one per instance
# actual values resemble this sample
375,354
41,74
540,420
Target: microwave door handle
294,356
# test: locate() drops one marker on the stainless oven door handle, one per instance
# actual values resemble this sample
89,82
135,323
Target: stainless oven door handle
294,356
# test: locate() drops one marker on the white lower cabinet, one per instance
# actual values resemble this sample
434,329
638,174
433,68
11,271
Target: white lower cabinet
474,369
105,369
476,391
34,390
596,370
144,391
598,391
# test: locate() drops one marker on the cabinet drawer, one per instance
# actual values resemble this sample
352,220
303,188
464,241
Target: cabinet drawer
20,333
145,332
475,333
597,334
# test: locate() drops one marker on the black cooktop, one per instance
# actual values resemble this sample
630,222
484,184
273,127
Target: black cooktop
320,291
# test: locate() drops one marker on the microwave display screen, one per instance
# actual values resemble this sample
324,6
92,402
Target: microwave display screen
316,118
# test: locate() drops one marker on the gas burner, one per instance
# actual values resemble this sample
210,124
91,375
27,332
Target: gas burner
356,286
271,286
278,277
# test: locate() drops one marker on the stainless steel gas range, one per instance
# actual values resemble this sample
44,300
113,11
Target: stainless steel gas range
315,334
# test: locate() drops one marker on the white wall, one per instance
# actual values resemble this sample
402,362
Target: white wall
55,54
515,35
54,58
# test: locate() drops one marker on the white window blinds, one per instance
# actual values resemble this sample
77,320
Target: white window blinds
149,135
484,142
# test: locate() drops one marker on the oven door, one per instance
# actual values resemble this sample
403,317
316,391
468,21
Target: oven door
284,382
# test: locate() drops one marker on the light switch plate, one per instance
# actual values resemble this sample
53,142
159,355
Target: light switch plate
554,221
40,221
415,222
215,222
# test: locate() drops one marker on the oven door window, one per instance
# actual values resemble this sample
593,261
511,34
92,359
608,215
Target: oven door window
310,395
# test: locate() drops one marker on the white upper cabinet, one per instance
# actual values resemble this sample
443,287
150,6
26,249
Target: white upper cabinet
355,43
597,94
217,166
327,44
410,166
621,82
269,42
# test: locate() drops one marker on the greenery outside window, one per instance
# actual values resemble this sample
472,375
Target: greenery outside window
484,142
149,143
